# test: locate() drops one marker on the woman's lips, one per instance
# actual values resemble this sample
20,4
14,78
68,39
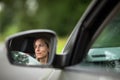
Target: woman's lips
38,53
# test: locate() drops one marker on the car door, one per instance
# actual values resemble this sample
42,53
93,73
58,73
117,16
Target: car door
93,49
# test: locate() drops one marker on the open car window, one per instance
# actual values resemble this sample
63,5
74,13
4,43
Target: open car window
105,52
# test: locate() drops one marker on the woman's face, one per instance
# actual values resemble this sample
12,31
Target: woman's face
41,49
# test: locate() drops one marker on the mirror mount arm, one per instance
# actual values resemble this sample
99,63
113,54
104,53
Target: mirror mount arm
61,60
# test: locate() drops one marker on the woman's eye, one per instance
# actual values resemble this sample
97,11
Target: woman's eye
41,45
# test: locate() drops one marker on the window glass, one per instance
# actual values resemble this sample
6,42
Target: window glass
105,52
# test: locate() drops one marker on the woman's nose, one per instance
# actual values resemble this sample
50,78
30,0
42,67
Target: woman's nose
37,49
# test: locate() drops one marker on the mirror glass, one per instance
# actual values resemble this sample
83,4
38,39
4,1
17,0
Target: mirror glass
32,48
23,58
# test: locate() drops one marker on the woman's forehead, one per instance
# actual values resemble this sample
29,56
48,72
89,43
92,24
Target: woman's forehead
40,40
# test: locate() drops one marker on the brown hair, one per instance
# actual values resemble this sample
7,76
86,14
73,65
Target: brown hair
44,39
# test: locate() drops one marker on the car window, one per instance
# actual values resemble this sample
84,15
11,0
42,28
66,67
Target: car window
105,52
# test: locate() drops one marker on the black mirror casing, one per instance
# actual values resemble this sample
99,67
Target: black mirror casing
23,42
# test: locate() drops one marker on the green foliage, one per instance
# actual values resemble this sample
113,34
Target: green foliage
61,44
60,16
9,30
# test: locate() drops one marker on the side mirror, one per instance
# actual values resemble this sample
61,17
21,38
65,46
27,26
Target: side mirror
33,47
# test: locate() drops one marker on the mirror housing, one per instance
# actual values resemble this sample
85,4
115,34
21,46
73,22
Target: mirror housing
20,50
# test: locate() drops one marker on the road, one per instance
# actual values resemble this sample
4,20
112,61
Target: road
1,46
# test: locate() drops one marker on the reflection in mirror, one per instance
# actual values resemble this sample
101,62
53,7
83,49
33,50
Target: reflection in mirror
41,49
32,48
23,58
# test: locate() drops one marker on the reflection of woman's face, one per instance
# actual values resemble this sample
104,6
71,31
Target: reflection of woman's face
41,49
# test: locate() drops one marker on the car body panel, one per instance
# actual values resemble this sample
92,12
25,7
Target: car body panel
78,72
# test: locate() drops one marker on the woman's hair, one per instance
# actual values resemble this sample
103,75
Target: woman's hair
44,39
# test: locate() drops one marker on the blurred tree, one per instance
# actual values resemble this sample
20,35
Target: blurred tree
60,16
